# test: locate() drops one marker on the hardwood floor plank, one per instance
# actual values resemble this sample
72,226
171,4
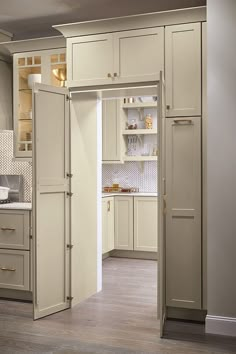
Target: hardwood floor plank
122,319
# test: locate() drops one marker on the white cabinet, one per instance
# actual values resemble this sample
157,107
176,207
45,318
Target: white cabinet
43,63
183,212
124,234
120,57
15,251
138,55
183,70
108,231
145,224
136,223
111,131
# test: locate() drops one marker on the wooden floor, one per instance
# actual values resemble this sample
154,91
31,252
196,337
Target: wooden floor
119,320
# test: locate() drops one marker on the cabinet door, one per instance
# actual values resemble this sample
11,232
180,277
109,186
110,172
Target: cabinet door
183,208
145,224
51,202
183,70
104,226
110,225
124,223
138,55
111,133
90,60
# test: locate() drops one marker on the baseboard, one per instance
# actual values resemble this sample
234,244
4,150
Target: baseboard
134,254
186,314
225,326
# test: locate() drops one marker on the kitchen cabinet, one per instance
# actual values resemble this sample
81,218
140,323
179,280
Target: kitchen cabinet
136,223
183,70
145,224
183,212
108,231
121,57
111,131
15,252
27,67
6,122
124,234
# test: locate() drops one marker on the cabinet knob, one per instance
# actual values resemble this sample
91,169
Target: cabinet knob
109,206
167,106
115,75
109,75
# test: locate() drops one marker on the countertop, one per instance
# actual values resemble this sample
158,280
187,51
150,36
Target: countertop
136,194
17,206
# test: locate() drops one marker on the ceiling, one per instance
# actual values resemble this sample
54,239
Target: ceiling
31,18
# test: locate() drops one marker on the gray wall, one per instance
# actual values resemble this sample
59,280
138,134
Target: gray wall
221,157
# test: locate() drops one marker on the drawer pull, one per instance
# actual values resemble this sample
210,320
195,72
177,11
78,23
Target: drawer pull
8,269
176,121
7,228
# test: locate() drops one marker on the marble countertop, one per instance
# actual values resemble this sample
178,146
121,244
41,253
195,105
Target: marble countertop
17,206
136,194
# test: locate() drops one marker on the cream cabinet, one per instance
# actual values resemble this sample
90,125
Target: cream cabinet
183,212
46,66
136,223
108,231
183,70
15,253
113,58
145,224
124,228
111,131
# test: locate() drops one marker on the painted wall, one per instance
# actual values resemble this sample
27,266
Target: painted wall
221,166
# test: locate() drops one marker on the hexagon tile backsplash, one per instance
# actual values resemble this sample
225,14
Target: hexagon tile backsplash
130,174
9,166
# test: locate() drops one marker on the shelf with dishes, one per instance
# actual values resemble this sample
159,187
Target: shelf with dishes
140,133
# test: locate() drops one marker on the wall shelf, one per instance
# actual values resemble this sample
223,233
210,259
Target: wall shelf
139,132
137,105
140,158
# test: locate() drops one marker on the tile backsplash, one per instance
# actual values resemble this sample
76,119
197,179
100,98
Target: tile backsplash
9,166
130,174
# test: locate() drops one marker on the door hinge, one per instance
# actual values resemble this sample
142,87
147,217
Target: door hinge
69,298
68,98
69,175
69,194
69,246
31,237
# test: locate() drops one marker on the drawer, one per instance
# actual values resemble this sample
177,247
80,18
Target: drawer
14,269
14,229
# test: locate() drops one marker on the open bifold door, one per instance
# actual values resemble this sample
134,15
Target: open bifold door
51,201
161,207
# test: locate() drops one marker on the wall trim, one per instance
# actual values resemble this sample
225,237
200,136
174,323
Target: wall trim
225,326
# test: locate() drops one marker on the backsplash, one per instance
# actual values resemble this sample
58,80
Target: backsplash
130,174
9,166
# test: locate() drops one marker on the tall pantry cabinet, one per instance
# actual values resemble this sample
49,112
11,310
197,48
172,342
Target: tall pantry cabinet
183,166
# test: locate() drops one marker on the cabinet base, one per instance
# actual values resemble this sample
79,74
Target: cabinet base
134,254
186,314
16,295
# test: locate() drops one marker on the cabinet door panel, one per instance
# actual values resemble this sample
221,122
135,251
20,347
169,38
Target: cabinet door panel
104,225
124,223
145,224
183,218
91,60
139,54
110,225
183,70
110,131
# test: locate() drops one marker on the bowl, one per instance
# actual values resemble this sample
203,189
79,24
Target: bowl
33,78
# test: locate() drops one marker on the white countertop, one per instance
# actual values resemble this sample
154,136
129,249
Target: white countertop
136,194
16,206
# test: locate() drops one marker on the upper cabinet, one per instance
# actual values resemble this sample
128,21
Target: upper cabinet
48,67
120,57
183,70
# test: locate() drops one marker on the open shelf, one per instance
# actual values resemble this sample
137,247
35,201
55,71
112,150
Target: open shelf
140,158
139,132
136,105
